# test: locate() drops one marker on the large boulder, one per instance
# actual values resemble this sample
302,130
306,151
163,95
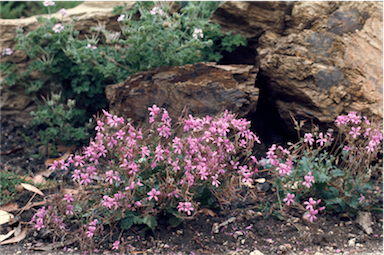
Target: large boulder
201,89
319,59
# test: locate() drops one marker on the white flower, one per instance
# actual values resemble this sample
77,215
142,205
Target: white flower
89,46
57,28
121,18
198,32
7,51
47,3
156,10
63,12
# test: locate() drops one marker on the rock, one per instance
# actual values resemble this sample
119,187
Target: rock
352,242
329,69
256,252
318,59
203,89
364,219
251,19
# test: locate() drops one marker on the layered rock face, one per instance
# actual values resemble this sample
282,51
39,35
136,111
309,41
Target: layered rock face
319,59
200,89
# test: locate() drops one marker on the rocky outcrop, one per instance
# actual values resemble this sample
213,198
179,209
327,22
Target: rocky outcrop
201,89
319,59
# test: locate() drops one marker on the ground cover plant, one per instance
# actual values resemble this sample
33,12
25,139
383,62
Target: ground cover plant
129,176
18,9
81,68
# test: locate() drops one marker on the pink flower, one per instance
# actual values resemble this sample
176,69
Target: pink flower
353,118
308,180
186,207
371,146
85,179
100,125
153,194
115,245
322,139
164,131
311,214
366,121
69,210
68,198
63,12
121,18
47,3
284,169
120,134
90,232
39,224
112,175
58,28
311,203
342,120
153,111
361,198
289,199
355,132
144,151
7,51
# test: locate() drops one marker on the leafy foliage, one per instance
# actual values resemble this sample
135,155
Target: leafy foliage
18,9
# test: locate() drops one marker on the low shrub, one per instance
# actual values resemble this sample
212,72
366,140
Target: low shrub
129,176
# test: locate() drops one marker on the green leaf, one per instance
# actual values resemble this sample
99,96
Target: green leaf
126,223
337,173
278,215
150,221
174,221
137,220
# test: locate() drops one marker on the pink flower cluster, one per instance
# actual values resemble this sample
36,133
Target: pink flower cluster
375,137
312,212
202,155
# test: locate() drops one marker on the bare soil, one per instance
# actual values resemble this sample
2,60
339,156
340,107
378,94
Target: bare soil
249,231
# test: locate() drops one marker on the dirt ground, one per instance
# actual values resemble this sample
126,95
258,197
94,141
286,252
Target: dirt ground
242,228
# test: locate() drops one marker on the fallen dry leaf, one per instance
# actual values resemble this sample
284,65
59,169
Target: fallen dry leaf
39,179
18,230
17,238
9,207
28,178
19,188
14,150
52,246
32,188
29,206
5,217
71,191
260,180
207,212
65,156
6,236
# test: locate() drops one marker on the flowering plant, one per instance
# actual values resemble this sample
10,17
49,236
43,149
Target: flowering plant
130,175
81,68
336,170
